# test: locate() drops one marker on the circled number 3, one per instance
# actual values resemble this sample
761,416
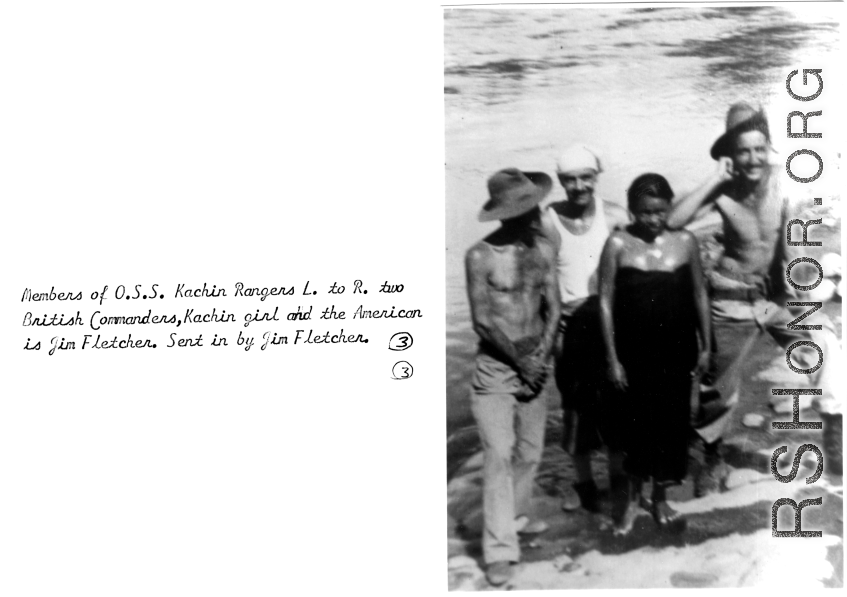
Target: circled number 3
400,341
402,370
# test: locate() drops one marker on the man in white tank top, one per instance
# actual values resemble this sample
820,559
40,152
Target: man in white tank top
579,226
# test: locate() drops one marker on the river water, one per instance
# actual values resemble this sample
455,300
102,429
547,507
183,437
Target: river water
647,88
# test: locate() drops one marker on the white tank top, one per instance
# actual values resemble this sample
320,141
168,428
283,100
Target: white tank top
579,256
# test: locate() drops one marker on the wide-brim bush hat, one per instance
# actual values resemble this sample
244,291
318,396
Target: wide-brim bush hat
512,193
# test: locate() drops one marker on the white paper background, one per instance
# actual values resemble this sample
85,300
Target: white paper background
262,142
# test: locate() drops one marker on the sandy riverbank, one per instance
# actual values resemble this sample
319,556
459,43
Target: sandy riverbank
727,542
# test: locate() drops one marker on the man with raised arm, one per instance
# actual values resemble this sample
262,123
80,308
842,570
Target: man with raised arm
578,226
514,299
748,282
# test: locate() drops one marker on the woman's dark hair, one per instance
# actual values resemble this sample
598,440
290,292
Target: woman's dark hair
650,184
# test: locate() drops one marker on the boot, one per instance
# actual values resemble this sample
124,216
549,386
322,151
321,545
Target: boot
570,499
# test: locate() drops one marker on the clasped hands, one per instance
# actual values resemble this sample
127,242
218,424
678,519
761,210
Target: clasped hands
533,369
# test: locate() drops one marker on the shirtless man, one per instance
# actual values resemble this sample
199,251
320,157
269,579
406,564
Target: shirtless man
747,285
578,226
511,279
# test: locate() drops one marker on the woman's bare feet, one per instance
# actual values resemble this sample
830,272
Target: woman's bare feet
625,519
624,524
665,516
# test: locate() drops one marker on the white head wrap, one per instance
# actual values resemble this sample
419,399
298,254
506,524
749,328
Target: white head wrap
577,157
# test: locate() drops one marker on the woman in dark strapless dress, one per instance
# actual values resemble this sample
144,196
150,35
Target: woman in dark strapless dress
655,318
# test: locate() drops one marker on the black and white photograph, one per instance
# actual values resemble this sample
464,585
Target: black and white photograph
644,287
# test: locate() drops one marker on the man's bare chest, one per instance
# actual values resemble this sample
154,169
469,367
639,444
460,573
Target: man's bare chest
517,270
750,223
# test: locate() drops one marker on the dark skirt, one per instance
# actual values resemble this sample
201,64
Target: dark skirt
656,341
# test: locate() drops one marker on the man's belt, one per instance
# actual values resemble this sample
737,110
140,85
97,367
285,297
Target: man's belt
746,294
738,287
524,346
